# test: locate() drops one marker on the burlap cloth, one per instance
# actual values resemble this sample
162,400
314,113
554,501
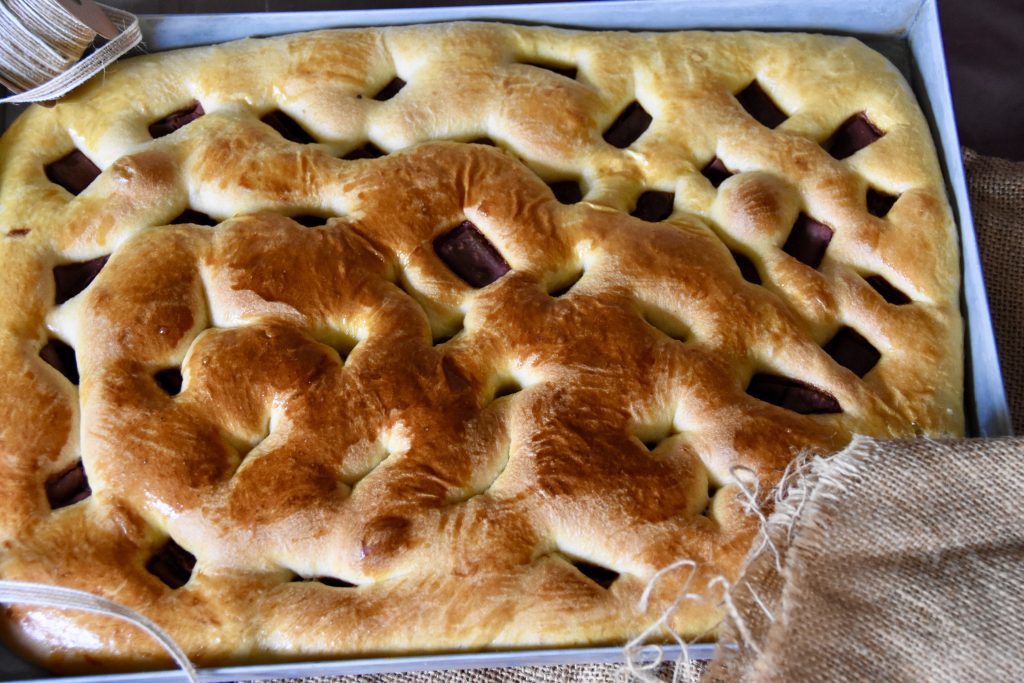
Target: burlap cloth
890,561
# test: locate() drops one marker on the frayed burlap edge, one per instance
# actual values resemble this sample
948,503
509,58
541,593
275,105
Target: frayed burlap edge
757,605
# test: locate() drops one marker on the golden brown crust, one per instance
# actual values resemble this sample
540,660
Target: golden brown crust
327,426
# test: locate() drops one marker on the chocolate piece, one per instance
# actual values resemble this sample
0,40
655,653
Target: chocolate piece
367,151
390,90
856,133
470,255
747,268
808,240
288,127
760,105
602,576
567,191
629,126
887,290
193,217
68,487
716,172
176,120
172,564
653,206
309,220
852,351
879,203
62,358
562,70
19,232
72,278
170,380
792,395
74,172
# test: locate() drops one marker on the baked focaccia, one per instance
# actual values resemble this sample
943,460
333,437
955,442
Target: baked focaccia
449,337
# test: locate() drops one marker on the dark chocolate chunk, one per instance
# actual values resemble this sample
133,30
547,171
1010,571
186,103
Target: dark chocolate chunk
19,232
716,172
309,220
890,293
760,105
62,358
808,240
792,395
567,191
879,203
367,151
561,69
288,127
390,90
852,351
176,120
170,380
74,172
68,487
653,206
629,126
856,133
72,278
747,268
172,564
602,576
470,255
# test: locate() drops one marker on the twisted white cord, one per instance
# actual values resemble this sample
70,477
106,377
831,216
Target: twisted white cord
43,43
55,596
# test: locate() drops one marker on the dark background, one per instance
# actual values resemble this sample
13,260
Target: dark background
984,49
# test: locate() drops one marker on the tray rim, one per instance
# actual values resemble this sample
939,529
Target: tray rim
943,129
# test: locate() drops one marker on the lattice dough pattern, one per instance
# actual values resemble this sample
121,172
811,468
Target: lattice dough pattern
348,343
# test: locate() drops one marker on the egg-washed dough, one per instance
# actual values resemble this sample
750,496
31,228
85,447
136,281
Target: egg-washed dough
368,455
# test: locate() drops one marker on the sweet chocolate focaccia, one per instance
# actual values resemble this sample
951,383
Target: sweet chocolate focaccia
448,337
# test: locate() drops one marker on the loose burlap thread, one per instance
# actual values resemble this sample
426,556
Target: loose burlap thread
888,561
43,43
895,561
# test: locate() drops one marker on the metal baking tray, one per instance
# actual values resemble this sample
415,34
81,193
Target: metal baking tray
906,31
